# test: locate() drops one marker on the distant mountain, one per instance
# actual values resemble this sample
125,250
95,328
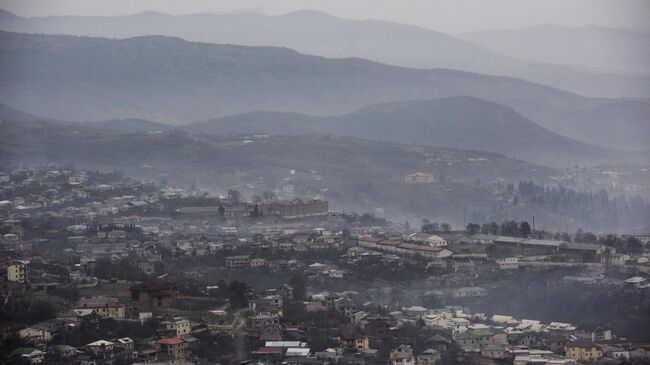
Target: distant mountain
172,80
7,17
353,174
36,140
623,124
11,114
131,125
592,46
457,122
323,166
321,34
27,138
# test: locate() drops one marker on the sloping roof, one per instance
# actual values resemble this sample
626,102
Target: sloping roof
78,313
493,348
635,279
170,341
474,334
297,351
26,351
438,339
583,246
269,350
430,352
97,302
302,360
530,241
100,343
410,246
285,344
581,343
70,313
497,318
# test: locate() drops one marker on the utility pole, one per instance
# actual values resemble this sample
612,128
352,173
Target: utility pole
464,217
533,225
566,225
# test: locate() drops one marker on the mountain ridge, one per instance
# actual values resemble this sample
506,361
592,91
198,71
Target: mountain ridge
456,122
408,45
313,165
172,80
602,48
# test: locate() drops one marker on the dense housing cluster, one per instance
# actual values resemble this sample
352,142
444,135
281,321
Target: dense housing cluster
102,269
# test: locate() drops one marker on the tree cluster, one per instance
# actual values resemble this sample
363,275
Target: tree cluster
434,227
506,228
594,208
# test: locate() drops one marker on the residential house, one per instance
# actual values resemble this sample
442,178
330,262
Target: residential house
18,271
345,306
402,355
28,355
220,321
145,266
354,341
418,178
79,316
262,320
269,304
127,345
438,342
425,239
594,332
583,351
41,332
429,357
376,326
101,348
481,338
155,295
258,263
637,282
178,326
494,352
467,292
238,261
62,354
172,348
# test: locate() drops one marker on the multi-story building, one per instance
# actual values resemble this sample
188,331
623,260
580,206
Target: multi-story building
419,178
172,348
104,306
238,261
18,271
583,351
179,326
402,355
429,357
155,295
403,248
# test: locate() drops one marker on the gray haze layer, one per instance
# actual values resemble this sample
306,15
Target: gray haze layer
447,16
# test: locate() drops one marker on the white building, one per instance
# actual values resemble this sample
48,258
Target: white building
179,325
18,271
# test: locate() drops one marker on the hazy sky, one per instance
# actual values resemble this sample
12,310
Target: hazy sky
448,15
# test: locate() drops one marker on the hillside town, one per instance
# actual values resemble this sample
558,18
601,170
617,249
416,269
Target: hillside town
102,269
